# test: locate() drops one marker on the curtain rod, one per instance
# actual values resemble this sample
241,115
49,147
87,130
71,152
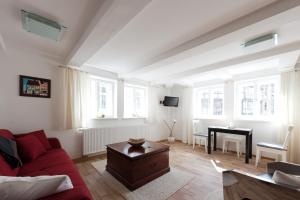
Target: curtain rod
75,68
104,77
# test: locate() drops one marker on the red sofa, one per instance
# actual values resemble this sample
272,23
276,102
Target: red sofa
54,162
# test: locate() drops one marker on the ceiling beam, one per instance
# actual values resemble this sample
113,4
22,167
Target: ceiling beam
217,37
112,17
235,61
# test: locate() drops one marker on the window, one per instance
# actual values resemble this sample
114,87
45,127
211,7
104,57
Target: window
104,95
209,102
135,101
256,99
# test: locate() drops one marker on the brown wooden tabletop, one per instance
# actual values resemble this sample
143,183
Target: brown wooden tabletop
148,148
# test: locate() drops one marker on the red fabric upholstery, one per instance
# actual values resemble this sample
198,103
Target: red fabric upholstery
5,169
7,134
55,157
38,173
29,148
55,161
40,135
54,142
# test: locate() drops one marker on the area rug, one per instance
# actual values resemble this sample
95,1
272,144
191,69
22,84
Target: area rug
158,189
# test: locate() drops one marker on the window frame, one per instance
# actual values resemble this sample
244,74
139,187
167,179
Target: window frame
136,86
257,82
113,93
211,90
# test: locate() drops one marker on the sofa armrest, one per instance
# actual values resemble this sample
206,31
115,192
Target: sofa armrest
289,168
238,185
54,142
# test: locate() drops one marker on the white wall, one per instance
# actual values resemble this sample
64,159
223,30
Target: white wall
71,140
175,113
23,114
157,114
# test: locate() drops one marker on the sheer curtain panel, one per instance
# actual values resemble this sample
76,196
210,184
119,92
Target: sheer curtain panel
76,94
290,112
187,115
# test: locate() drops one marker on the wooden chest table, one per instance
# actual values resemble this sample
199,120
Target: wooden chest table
134,167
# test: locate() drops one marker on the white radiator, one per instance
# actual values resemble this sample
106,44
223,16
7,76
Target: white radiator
96,139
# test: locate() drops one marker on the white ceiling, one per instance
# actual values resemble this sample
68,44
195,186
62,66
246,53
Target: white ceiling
163,25
288,33
266,66
144,48
74,14
162,41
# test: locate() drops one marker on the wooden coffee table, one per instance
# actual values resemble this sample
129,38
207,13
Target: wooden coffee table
134,167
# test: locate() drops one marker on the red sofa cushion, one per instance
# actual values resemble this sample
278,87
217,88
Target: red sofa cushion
38,173
29,148
5,169
54,162
7,134
55,157
40,135
54,142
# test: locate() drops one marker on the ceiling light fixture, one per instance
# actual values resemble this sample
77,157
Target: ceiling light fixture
260,39
42,26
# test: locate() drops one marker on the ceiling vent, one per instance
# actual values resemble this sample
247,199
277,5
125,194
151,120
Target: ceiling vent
260,39
42,26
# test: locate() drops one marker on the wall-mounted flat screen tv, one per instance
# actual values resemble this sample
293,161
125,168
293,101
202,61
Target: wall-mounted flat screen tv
171,101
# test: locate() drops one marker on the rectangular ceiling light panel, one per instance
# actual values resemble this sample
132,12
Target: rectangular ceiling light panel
271,36
42,26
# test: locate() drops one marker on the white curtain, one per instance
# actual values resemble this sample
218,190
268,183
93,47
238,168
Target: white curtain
187,115
156,113
153,105
76,94
290,112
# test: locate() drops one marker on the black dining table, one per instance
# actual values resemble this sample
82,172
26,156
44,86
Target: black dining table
236,131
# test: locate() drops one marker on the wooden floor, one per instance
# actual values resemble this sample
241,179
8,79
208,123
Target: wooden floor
206,168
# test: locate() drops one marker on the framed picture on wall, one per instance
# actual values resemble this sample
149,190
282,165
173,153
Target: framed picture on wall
35,87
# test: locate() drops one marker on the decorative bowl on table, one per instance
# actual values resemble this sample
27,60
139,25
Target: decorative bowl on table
136,142
136,150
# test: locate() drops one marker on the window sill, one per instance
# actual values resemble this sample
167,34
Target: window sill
105,118
134,118
255,119
116,118
210,117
